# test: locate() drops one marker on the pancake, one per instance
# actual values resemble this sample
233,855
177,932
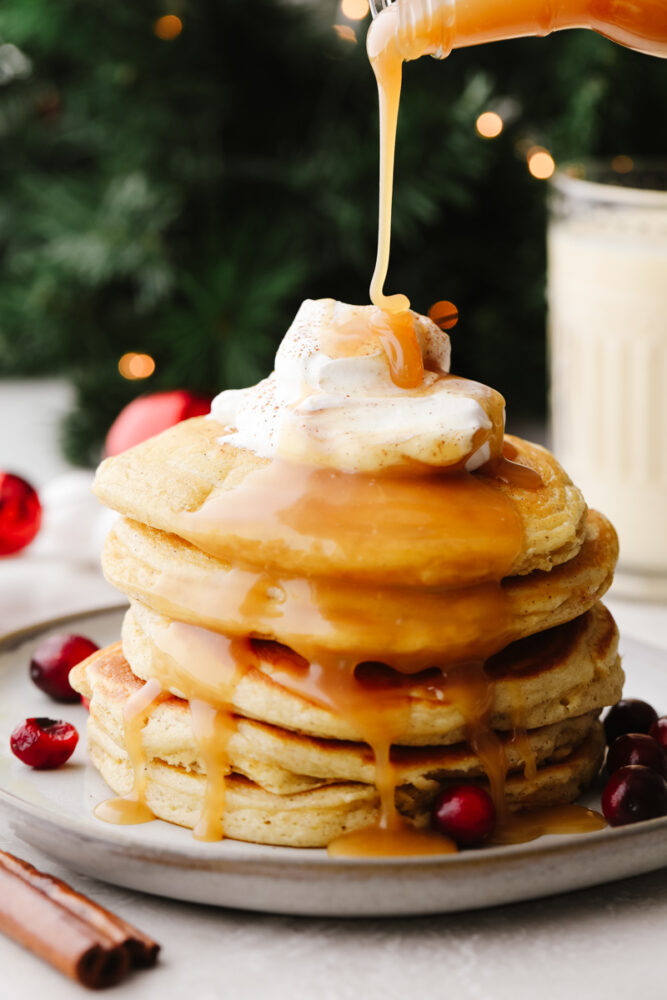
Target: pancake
169,482
282,761
406,628
562,674
315,817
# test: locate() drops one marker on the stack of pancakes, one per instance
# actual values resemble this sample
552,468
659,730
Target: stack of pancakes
297,769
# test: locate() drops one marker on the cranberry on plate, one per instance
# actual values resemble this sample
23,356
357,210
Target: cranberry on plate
44,743
637,748
634,793
465,813
659,731
631,715
52,661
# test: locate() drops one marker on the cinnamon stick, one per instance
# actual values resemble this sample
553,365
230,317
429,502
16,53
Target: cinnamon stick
83,940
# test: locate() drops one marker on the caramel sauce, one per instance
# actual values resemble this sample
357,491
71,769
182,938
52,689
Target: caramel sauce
471,690
520,736
482,533
195,661
472,530
401,840
518,828
331,682
281,514
396,333
476,533
212,731
204,668
133,808
514,474
201,665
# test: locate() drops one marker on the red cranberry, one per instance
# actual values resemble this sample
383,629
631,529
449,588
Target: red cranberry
465,813
659,731
637,748
44,743
52,661
634,793
628,716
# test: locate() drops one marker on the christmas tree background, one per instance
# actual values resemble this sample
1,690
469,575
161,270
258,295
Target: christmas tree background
179,197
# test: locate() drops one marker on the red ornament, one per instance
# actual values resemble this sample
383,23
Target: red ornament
149,415
20,513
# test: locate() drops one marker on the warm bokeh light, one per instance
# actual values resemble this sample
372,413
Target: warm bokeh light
168,27
489,124
444,314
355,10
345,32
135,366
622,164
540,163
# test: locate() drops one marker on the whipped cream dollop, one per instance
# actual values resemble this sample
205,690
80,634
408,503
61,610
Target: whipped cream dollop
332,400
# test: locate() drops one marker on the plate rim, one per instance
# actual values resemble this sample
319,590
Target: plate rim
285,858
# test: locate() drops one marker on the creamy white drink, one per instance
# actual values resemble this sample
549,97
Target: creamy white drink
607,291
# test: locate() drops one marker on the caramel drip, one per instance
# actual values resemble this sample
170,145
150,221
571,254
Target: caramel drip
517,828
396,332
421,626
201,665
205,669
133,808
469,687
383,842
520,736
332,681
212,730
514,474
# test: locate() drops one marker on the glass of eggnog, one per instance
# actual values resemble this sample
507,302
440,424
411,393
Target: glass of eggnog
607,297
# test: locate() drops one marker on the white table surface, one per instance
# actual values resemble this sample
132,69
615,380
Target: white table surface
602,942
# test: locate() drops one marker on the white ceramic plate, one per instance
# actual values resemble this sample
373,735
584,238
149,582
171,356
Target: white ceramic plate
53,811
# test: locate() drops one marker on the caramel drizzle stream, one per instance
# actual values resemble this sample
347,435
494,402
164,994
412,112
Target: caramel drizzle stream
220,664
212,730
133,807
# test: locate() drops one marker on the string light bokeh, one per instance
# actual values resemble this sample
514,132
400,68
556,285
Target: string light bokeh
622,164
541,163
354,10
489,124
168,27
135,366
